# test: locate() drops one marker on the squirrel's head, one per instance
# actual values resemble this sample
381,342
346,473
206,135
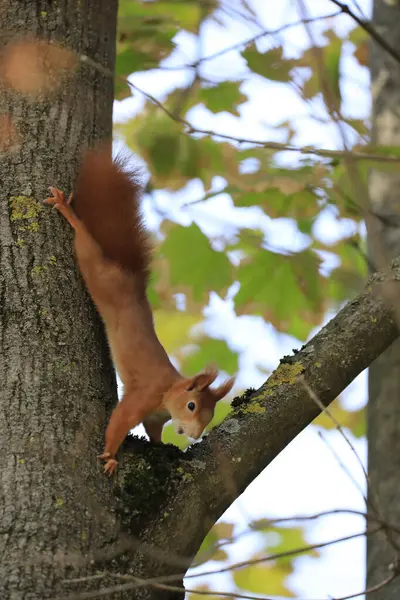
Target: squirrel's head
191,402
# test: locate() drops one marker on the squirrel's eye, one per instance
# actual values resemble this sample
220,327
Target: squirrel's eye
191,406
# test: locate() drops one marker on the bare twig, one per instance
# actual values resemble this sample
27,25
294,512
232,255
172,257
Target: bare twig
296,518
372,589
326,410
186,92
307,150
143,582
138,582
259,36
173,588
362,198
368,27
322,152
371,500
343,466
286,554
239,565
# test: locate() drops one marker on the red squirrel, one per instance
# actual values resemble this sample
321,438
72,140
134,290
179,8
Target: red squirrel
113,251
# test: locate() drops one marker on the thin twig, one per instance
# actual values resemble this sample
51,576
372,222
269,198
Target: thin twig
343,466
186,92
239,565
334,420
286,554
138,582
296,518
322,152
372,589
371,500
174,588
361,192
259,36
369,28
307,150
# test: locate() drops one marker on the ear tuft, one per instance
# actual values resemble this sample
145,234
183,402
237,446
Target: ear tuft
202,380
224,388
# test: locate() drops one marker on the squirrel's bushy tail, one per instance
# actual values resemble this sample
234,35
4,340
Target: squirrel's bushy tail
107,199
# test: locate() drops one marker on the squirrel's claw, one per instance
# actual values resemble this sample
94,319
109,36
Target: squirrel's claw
58,201
111,463
110,466
57,197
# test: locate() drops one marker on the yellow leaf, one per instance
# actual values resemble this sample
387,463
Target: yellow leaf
263,579
173,327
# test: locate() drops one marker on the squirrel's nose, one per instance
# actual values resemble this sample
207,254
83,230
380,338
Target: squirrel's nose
180,431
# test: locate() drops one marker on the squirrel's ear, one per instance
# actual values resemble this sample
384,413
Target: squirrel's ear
224,388
202,380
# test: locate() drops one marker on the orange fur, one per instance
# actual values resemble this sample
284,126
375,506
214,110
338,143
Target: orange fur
113,252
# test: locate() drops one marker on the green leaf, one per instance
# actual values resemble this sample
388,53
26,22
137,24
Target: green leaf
358,35
359,125
331,60
300,205
222,410
270,64
130,60
152,294
209,550
210,350
184,15
173,327
224,97
348,189
169,436
350,419
200,596
278,540
174,158
348,279
143,40
194,267
262,579
324,79
281,539
383,151
282,192
360,38
285,290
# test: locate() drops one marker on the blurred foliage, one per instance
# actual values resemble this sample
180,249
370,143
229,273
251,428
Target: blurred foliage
258,576
292,290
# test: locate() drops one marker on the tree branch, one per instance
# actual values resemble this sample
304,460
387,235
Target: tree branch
279,147
168,500
171,499
369,28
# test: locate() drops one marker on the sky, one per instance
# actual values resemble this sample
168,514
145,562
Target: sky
306,477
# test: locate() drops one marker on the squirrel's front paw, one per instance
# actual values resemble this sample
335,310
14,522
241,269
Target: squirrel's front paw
111,463
110,466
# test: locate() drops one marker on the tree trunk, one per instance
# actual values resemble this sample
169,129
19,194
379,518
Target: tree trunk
384,374
55,372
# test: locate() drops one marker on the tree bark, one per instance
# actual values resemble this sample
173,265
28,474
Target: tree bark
384,375
55,374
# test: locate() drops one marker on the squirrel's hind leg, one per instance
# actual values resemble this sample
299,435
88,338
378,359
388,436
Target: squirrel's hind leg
64,207
153,428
